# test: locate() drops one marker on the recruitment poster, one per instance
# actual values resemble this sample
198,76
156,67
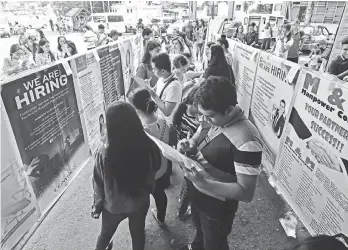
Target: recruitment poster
111,73
275,85
90,98
244,69
342,32
136,48
127,59
19,209
44,116
311,172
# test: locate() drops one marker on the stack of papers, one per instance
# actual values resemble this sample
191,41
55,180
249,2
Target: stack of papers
175,156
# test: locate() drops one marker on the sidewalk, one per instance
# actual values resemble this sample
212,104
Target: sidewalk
69,225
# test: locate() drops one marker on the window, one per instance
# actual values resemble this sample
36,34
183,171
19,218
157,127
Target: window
115,19
99,19
325,31
127,10
238,7
277,7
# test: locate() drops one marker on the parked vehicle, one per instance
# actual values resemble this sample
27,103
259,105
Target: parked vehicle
5,29
229,28
178,25
315,34
110,20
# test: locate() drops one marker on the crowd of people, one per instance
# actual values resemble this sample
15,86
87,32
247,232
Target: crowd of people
33,50
193,108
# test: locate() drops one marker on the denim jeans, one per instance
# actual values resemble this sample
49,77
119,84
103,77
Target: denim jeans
160,196
211,232
266,44
111,221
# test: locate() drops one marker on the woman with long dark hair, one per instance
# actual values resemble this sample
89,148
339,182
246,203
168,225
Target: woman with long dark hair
217,65
225,45
44,55
157,127
240,35
177,46
124,175
144,70
62,49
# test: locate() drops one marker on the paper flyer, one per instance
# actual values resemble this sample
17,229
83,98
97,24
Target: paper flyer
271,103
311,170
90,98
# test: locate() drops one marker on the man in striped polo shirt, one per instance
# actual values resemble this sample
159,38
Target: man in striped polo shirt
230,155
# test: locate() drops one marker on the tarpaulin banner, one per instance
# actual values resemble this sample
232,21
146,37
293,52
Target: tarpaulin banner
90,98
274,89
45,120
19,208
244,67
311,171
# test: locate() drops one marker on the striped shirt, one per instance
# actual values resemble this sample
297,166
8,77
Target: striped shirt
189,124
234,148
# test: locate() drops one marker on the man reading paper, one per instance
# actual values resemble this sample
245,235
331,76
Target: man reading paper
232,147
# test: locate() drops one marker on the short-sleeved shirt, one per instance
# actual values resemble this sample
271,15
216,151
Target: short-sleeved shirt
90,37
287,44
338,65
172,93
234,148
251,37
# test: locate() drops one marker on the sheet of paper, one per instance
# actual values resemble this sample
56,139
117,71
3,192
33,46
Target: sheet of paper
139,80
67,68
95,53
192,74
168,152
292,73
189,163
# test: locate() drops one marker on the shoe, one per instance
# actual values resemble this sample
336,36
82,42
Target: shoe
185,215
154,214
190,246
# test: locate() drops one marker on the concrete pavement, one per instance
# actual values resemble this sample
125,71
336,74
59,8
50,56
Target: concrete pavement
69,225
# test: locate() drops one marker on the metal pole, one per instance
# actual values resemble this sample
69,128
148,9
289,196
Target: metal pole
231,9
212,10
90,5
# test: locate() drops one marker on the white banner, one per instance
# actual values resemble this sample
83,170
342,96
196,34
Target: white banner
273,92
89,92
244,68
311,172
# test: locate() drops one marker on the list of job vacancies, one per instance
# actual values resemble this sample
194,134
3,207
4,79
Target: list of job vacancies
108,76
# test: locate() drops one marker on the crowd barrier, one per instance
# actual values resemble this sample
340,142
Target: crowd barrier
53,120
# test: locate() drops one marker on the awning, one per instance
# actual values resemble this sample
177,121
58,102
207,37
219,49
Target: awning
75,12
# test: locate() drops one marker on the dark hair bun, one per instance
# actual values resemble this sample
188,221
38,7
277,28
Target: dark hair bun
223,36
151,106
